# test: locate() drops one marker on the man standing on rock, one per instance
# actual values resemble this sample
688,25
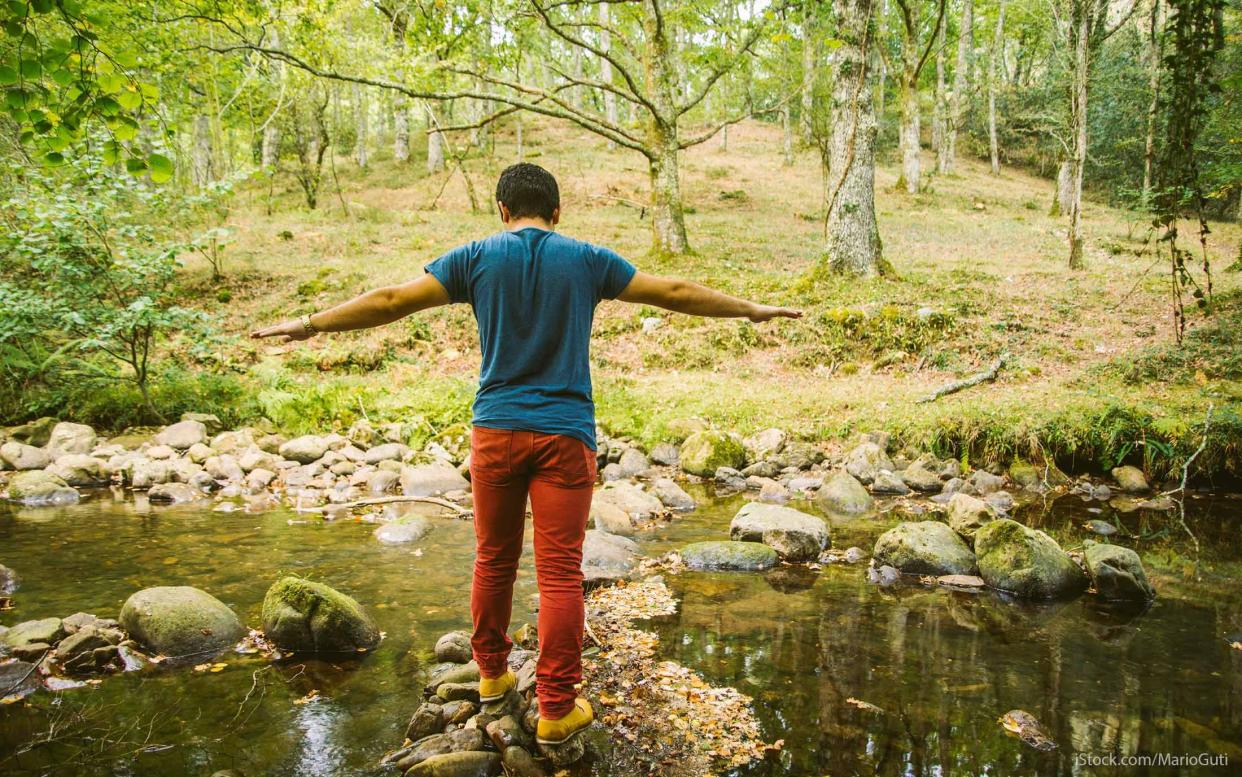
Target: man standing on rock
534,294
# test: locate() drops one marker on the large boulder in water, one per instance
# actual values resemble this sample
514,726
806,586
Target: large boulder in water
180,621
842,493
468,763
707,451
795,535
607,557
40,487
305,616
1026,562
1117,573
431,480
633,500
924,548
729,556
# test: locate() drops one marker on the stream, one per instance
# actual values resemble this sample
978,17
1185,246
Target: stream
941,666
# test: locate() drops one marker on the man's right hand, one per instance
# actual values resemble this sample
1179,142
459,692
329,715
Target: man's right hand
763,313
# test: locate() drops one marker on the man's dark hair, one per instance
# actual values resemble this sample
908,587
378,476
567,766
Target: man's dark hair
528,190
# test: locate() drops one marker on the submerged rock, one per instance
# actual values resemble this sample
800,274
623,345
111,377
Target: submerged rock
706,451
729,556
399,532
8,580
843,494
1117,573
19,679
180,621
924,548
174,493
795,535
470,763
306,616
1026,562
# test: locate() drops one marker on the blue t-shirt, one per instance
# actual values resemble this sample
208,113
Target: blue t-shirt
534,295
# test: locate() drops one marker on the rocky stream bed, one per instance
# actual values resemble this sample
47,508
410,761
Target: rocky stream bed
192,556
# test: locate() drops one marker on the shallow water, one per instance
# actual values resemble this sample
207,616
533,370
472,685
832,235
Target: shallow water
942,666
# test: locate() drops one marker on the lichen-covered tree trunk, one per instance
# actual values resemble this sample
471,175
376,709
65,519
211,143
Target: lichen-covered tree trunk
358,98
270,149
961,82
1078,125
435,143
787,129
1061,195
940,107
204,156
805,126
853,239
605,67
909,132
1153,55
401,130
668,221
994,74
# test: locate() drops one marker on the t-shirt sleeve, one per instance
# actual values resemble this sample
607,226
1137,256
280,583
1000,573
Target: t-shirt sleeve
452,270
612,273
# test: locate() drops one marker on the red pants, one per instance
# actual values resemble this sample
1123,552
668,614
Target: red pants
558,473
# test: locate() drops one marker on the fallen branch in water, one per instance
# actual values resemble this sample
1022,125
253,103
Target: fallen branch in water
973,380
1181,489
384,500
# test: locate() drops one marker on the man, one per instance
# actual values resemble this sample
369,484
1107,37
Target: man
534,294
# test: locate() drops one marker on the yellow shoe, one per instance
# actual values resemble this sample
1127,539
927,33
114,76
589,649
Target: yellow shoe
556,732
494,689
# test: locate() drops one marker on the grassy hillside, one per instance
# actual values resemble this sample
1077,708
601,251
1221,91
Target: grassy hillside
1093,375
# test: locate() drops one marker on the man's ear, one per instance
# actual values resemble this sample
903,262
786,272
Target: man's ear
504,212
556,216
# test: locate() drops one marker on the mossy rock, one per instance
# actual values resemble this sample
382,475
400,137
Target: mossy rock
843,494
38,486
924,548
968,514
306,616
466,764
729,556
1117,573
1026,562
180,621
1037,477
704,452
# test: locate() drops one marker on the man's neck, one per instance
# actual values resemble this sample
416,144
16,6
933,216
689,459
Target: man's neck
529,221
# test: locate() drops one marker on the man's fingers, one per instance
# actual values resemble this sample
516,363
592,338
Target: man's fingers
790,313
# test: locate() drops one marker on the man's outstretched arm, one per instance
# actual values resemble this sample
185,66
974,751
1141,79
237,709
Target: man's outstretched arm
374,308
683,296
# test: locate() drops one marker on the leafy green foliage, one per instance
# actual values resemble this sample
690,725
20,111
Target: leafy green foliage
60,79
85,274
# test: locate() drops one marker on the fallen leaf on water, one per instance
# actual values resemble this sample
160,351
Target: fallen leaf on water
170,560
864,705
308,698
1236,645
10,699
218,667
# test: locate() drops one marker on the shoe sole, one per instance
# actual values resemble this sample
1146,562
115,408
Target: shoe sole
490,699
543,741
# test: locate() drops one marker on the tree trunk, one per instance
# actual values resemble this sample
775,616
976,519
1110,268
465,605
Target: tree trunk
805,126
998,43
940,108
787,127
909,132
961,81
401,130
1154,55
724,138
668,220
853,239
1078,123
605,68
270,153
204,163
435,143
1061,196
359,100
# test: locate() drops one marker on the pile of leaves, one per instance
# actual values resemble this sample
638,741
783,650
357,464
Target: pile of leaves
670,714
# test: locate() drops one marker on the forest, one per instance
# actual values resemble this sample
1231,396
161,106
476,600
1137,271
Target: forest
1013,229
